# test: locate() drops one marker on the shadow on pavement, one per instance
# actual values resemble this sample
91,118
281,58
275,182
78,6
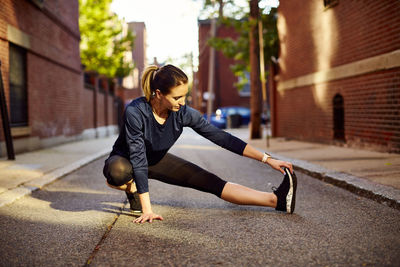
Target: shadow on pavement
81,201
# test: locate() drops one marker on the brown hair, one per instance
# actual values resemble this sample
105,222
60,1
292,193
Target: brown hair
163,79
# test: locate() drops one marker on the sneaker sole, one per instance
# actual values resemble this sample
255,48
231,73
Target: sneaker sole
291,196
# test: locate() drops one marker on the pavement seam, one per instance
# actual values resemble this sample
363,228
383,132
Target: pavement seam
380,193
27,188
105,235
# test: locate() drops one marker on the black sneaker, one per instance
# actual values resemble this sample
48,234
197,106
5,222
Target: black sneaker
286,192
134,201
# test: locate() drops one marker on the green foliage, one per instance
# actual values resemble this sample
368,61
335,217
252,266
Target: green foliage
102,41
231,8
239,49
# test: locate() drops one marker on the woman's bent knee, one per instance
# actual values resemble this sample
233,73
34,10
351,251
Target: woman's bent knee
117,170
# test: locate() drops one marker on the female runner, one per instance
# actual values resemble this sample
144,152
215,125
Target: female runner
153,123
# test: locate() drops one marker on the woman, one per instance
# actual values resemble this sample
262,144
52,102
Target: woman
153,123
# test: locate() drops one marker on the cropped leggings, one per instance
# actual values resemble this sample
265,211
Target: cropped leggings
171,169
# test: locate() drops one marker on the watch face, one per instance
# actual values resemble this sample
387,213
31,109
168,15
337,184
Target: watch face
265,157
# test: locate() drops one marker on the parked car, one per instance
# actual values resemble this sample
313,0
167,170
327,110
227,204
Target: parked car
232,117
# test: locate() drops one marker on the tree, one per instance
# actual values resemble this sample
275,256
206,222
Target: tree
255,82
240,49
103,43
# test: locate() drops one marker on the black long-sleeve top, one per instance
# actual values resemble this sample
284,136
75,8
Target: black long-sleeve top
145,142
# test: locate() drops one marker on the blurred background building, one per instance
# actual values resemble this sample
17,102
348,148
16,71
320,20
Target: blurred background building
139,54
339,73
225,92
337,79
130,87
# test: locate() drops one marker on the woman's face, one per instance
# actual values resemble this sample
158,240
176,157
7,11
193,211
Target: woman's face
175,99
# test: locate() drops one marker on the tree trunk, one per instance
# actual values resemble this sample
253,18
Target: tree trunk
255,84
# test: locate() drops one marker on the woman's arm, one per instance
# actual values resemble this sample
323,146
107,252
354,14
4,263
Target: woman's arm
138,159
251,152
193,119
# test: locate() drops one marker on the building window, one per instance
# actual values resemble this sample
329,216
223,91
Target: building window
330,3
18,88
338,118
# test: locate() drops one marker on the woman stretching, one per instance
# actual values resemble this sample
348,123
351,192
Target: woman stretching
153,123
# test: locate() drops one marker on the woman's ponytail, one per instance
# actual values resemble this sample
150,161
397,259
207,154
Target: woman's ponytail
147,78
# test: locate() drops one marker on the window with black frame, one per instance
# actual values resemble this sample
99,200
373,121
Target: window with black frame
18,87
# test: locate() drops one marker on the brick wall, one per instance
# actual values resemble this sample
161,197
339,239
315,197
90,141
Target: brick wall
111,111
88,108
54,99
315,40
54,79
59,107
348,32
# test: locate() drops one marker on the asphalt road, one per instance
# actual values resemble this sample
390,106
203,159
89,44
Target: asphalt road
78,220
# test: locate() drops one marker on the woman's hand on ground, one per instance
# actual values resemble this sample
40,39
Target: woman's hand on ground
148,217
279,164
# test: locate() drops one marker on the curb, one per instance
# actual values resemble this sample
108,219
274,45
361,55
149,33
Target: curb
383,194
35,184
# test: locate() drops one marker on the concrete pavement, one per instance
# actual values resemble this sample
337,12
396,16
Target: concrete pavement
78,220
371,174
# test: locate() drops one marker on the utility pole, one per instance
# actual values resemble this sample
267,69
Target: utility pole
211,71
263,78
211,62
194,87
255,84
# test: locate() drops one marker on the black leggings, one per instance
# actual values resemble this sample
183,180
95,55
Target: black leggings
171,169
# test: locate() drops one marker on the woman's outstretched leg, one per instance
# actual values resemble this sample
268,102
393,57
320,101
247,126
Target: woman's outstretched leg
242,195
174,170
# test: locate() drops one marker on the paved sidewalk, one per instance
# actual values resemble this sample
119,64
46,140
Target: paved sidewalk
367,173
33,170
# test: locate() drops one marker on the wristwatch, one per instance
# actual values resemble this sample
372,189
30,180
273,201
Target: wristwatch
266,157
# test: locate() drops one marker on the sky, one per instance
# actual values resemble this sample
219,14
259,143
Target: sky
171,25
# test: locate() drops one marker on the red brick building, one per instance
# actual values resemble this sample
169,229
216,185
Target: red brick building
226,94
129,87
339,73
43,77
139,50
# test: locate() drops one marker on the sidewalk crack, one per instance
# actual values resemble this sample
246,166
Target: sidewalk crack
105,235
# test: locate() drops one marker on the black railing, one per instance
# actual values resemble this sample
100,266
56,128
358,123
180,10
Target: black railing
6,122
